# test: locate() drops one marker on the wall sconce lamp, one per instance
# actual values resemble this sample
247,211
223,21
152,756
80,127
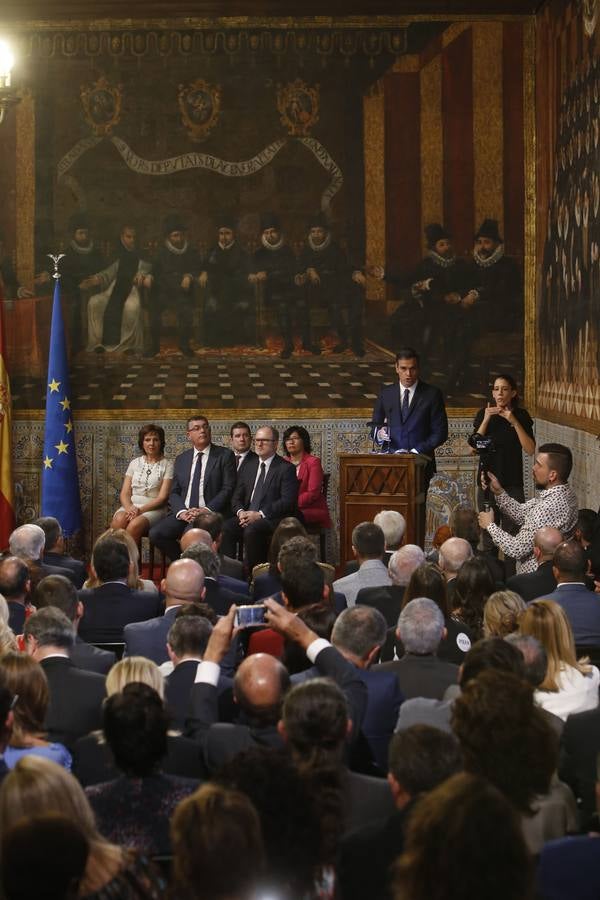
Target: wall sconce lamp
7,97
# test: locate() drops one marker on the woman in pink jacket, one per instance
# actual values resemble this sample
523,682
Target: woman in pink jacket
312,502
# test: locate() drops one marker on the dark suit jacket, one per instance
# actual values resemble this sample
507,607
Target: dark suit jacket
93,762
222,741
177,693
280,492
582,607
110,607
232,568
383,703
220,598
219,479
365,799
75,566
149,638
16,616
422,676
426,425
366,856
579,750
92,659
387,599
76,697
536,584
235,585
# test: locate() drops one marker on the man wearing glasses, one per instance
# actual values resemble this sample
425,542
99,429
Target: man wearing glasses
266,492
203,480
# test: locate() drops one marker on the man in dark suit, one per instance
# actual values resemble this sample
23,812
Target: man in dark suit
59,592
76,696
203,479
580,604
27,542
184,584
110,607
420,673
411,415
541,583
54,550
420,758
266,492
579,751
358,634
231,571
15,585
218,597
259,687
186,645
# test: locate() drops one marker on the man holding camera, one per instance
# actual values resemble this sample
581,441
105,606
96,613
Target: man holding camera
555,506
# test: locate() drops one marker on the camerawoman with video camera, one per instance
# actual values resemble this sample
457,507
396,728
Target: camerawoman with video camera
503,430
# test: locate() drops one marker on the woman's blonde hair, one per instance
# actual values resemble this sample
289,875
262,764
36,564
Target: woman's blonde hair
133,578
26,679
135,668
40,785
547,621
501,613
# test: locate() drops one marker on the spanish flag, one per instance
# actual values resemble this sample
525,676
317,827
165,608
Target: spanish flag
7,509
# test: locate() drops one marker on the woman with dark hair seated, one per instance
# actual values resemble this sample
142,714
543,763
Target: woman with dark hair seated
473,586
312,502
134,809
146,485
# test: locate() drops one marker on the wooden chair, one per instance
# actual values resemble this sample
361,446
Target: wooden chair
318,529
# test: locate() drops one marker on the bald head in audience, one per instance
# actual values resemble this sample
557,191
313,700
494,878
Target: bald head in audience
404,562
545,542
569,563
259,686
195,536
453,553
184,583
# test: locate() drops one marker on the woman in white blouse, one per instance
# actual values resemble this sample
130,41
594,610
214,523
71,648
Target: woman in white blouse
570,685
146,485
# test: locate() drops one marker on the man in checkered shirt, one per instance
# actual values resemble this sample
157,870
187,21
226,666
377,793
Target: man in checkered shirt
555,506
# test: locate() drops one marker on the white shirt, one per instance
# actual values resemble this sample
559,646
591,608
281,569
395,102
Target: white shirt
577,693
411,393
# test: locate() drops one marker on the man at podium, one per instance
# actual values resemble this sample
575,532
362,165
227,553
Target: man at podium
410,417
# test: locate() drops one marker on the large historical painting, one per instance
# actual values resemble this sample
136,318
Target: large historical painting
257,217
569,290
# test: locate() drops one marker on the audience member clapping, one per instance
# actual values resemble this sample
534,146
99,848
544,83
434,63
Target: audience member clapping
27,682
41,785
218,851
570,685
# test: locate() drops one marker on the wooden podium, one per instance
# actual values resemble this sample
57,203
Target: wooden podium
370,482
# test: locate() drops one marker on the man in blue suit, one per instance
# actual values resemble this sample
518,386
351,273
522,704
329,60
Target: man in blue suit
581,605
184,583
203,479
411,416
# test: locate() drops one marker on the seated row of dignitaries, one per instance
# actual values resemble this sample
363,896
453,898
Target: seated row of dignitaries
260,491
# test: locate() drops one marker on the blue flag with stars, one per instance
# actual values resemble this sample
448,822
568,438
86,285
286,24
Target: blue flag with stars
60,482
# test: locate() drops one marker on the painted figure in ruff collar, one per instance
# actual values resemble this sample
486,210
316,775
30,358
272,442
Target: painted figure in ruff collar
175,270
82,258
325,273
274,267
228,307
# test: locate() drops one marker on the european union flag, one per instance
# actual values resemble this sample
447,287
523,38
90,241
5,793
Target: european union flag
60,482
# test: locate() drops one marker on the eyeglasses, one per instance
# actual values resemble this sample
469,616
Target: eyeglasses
198,428
264,441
